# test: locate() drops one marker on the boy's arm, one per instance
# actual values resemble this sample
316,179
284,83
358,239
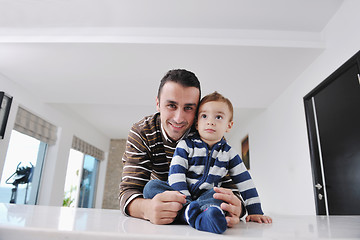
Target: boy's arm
178,169
243,181
241,177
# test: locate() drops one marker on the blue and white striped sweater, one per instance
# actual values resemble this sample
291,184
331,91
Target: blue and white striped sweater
195,168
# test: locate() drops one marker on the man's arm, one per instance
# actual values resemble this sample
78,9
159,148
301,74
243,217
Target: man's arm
136,173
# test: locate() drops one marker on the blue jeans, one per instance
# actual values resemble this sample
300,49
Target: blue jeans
154,187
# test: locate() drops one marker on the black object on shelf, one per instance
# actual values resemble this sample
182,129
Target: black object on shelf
5,104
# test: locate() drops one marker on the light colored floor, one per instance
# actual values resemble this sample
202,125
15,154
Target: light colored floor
43,222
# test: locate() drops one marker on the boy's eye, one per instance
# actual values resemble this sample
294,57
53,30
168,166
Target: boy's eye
203,116
219,117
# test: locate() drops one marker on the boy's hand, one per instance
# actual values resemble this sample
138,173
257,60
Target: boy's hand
258,218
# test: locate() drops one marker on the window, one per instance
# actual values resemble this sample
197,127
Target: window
81,180
72,182
22,170
81,175
29,140
88,182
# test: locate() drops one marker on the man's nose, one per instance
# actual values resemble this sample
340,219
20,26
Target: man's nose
179,116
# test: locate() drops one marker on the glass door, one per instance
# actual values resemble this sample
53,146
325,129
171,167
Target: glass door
81,180
88,182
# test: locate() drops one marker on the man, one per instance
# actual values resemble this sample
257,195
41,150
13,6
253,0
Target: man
150,147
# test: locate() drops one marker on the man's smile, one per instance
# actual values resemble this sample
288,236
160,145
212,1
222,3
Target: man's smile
177,125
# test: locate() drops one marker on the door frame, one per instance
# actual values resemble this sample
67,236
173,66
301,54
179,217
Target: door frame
313,136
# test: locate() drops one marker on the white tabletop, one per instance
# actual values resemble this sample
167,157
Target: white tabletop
44,222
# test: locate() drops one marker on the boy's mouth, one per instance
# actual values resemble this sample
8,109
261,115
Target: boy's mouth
209,130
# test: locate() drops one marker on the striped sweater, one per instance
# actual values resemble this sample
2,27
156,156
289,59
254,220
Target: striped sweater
195,168
147,156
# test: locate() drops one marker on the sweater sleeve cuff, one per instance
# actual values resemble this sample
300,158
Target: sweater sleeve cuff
243,209
126,199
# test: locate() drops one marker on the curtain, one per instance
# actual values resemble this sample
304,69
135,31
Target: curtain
34,126
86,148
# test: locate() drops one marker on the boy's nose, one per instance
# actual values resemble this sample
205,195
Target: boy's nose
210,123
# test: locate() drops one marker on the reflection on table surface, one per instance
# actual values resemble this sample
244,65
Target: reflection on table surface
45,222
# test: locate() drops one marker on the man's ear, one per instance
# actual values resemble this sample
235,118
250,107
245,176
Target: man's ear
230,125
157,104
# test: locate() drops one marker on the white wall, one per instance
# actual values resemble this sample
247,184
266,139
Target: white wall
279,151
53,178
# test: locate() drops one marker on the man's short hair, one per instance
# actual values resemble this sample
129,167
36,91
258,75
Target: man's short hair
181,76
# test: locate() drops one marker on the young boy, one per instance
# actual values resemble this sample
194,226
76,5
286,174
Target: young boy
201,161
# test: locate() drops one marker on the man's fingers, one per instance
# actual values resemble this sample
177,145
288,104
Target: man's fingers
163,213
172,206
171,196
222,190
163,208
164,221
231,204
232,221
164,217
226,195
168,201
231,209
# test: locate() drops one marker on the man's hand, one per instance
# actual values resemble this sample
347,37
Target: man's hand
164,207
232,205
258,218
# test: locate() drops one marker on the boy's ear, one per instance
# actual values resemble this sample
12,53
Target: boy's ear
230,125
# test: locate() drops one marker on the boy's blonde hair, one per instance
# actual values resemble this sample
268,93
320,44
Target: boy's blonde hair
217,97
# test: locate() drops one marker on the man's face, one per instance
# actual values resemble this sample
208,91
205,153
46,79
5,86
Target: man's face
177,106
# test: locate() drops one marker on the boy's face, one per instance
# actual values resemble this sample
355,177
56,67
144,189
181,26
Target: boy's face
213,121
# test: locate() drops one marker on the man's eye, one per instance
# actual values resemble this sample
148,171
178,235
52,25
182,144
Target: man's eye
189,108
171,106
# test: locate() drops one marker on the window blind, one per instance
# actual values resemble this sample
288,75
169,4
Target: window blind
34,126
86,148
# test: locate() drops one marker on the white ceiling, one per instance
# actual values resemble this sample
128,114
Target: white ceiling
102,60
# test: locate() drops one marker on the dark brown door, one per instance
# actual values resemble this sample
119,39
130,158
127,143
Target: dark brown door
333,118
